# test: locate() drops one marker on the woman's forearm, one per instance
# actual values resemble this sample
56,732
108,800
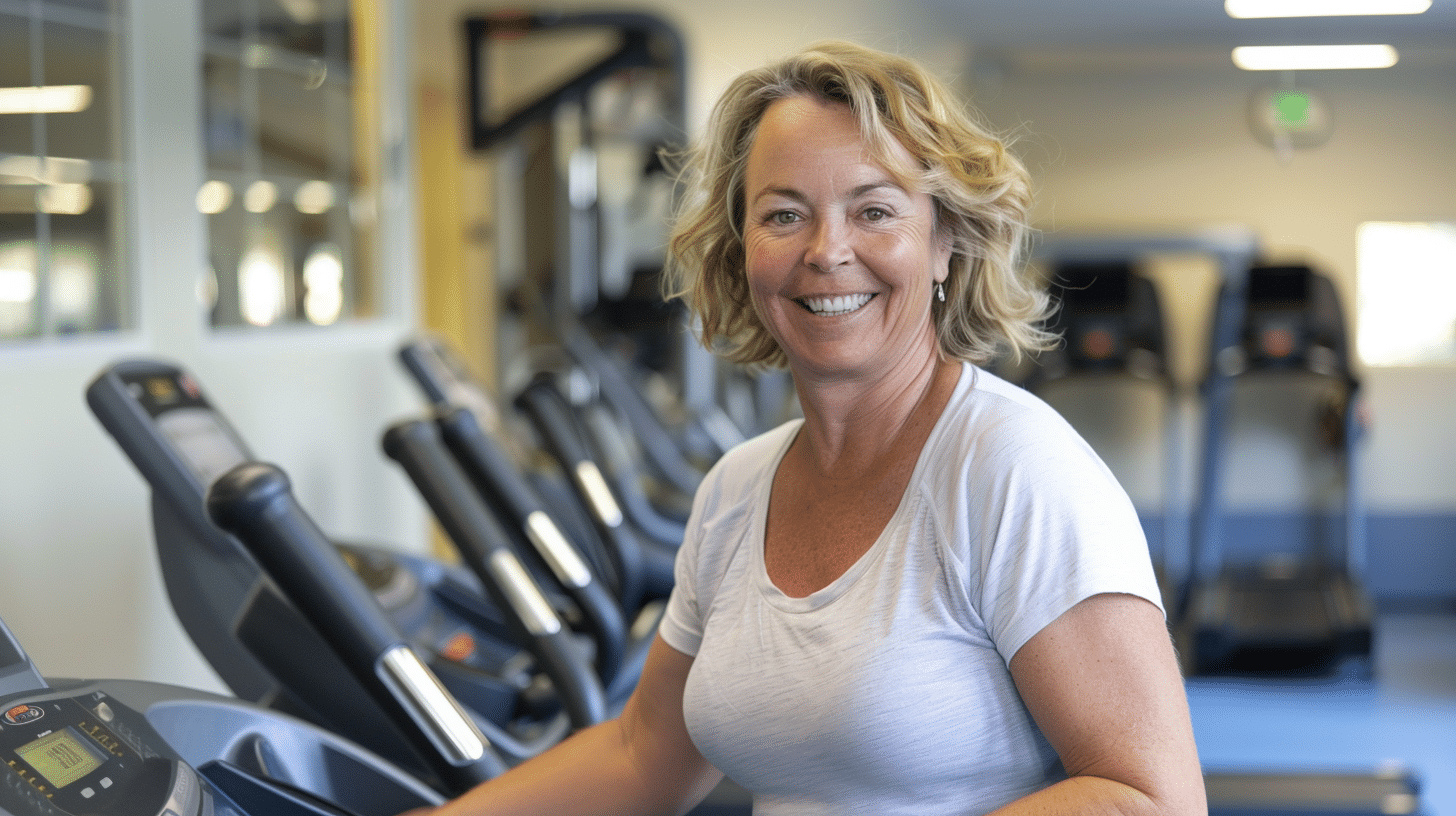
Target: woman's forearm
643,762
593,772
1095,796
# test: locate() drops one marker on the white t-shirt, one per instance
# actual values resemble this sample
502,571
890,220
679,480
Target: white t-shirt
887,692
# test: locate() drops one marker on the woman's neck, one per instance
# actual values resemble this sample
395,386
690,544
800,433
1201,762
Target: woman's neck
851,427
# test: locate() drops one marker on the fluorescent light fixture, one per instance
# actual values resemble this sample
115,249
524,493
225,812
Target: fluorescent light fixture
1248,9
45,99
65,199
1313,57
260,286
46,169
323,282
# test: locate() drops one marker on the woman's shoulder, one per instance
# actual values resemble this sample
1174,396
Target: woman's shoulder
987,405
744,467
992,425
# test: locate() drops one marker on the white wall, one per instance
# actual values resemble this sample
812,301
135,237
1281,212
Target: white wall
1167,147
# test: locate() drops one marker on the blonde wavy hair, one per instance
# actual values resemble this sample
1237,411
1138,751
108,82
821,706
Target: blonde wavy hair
981,192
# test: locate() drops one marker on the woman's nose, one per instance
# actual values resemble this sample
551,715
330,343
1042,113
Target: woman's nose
829,246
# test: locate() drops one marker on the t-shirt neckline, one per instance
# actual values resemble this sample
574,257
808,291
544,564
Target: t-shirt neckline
837,588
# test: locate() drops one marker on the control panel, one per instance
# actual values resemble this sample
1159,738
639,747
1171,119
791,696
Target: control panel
82,753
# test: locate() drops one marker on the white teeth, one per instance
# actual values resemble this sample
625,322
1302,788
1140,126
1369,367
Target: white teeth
837,305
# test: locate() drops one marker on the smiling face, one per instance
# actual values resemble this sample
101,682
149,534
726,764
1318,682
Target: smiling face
841,258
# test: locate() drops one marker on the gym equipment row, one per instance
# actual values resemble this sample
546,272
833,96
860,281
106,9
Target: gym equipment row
294,621
1278,335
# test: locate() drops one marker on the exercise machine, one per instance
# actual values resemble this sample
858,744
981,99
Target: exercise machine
1281,363
421,450
1120,328
132,748
252,631
582,158
560,429
540,504
638,542
473,434
1114,339
254,503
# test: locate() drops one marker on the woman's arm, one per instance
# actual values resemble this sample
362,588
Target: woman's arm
642,762
1102,683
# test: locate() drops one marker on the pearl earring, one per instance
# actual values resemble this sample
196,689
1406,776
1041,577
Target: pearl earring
940,291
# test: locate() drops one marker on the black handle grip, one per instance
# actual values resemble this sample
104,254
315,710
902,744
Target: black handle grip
660,449
481,457
563,437
444,378
485,548
255,503
503,485
543,402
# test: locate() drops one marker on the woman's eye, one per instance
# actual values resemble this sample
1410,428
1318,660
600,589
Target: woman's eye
783,217
875,214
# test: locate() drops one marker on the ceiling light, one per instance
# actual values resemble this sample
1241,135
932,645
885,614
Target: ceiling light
45,99
214,197
260,196
65,199
314,197
1313,57
1244,9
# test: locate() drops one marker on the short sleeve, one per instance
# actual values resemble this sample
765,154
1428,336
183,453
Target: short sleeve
715,531
682,623
1060,530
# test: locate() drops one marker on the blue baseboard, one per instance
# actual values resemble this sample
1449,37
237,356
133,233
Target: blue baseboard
1410,558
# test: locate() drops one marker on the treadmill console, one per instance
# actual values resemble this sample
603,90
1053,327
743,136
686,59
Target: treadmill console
79,751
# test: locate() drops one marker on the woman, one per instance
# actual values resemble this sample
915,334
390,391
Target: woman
928,595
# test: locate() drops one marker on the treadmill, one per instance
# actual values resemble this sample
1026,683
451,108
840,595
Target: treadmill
1304,611
253,632
1113,332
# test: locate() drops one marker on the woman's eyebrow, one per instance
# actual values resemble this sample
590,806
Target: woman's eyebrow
865,189
859,191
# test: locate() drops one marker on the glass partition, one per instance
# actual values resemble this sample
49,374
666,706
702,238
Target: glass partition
290,211
63,265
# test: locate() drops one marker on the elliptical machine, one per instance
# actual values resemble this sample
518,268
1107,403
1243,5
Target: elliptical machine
531,505
525,689
132,748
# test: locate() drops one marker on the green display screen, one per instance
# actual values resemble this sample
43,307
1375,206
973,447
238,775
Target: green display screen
61,757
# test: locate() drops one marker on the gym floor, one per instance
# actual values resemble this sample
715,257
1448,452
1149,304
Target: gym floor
1405,715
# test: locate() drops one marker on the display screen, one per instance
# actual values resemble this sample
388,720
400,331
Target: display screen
61,757
208,448
175,403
